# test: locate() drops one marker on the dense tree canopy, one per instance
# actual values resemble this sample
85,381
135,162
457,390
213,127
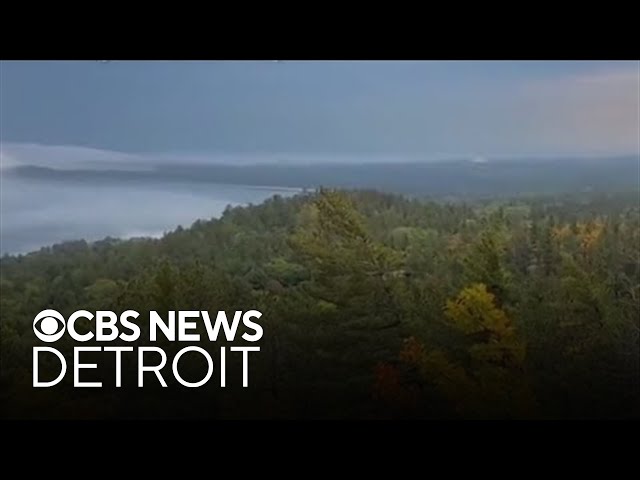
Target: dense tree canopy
374,305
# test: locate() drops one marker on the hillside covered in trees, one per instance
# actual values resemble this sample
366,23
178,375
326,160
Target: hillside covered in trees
374,306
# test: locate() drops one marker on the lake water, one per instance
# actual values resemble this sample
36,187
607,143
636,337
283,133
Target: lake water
36,213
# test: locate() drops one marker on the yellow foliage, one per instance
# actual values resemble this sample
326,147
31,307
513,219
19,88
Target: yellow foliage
474,311
561,233
589,234
493,383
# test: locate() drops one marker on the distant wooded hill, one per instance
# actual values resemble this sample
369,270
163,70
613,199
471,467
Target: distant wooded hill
458,178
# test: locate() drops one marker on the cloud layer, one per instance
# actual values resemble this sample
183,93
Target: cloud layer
324,108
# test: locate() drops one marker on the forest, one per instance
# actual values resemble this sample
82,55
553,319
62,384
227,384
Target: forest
375,305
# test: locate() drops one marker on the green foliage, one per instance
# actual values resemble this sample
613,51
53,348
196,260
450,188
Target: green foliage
373,305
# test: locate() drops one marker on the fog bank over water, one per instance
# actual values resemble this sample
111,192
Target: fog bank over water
75,157
51,194
36,213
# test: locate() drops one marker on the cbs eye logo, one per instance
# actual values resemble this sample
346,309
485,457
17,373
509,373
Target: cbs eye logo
49,326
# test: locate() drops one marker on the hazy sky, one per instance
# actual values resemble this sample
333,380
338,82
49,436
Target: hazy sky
430,108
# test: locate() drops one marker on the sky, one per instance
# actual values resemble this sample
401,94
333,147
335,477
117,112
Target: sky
326,109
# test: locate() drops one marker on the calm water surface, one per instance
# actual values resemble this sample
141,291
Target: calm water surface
40,212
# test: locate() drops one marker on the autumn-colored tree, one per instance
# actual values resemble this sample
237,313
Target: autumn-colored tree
488,380
342,278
